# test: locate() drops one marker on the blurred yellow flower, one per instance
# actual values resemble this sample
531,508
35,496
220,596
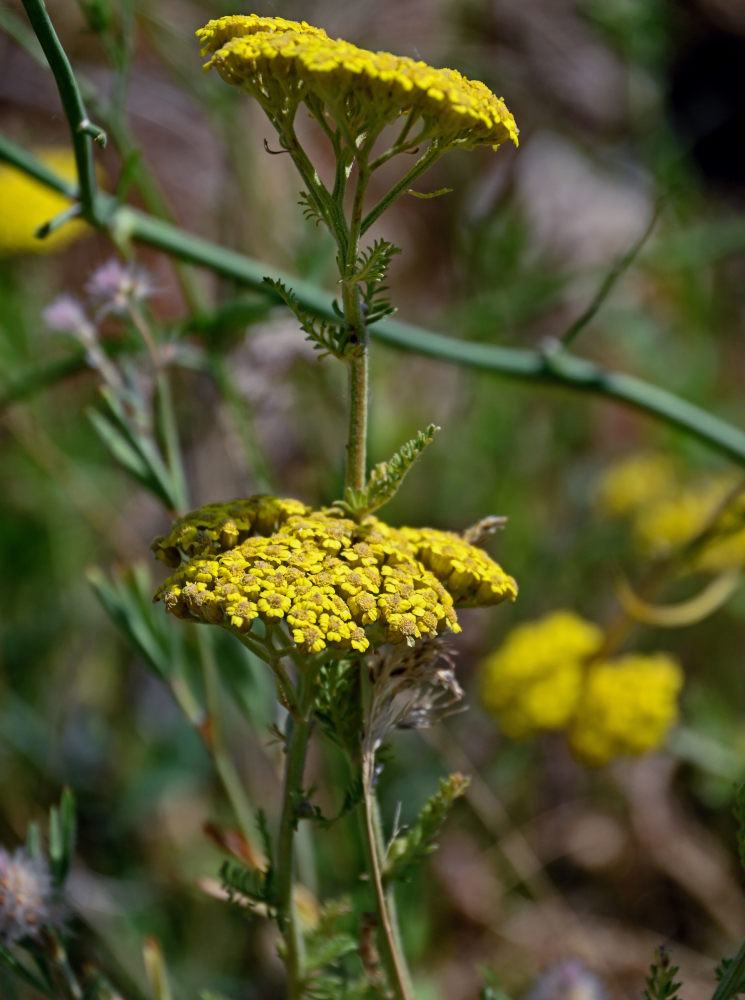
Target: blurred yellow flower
543,678
633,482
28,204
672,522
627,707
534,680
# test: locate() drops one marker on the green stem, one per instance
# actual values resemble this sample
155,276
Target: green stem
72,103
423,163
297,734
356,474
391,951
732,980
560,369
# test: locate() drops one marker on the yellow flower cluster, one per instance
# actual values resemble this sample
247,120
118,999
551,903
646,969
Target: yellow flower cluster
534,680
28,204
543,678
334,582
627,707
635,481
283,62
667,512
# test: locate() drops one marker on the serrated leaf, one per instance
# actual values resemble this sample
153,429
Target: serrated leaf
329,950
418,841
373,263
386,478
660,981
326,337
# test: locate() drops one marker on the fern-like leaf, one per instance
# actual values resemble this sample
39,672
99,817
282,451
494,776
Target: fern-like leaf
326,337
386,478
372,268
661,983
418,841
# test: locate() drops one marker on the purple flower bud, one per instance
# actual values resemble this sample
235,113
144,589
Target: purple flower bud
65,315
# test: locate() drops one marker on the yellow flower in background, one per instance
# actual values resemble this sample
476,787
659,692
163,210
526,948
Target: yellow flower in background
534,680
334,582
672,522
627,707
282,63
634,481
28,204
543,678
667,511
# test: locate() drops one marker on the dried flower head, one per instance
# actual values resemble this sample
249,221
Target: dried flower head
27,902
335,582
412,688
282,63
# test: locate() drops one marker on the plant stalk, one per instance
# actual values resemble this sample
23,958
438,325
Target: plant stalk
391,951
297,734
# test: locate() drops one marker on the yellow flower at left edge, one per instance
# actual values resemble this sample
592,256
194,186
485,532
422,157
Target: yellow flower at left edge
28,204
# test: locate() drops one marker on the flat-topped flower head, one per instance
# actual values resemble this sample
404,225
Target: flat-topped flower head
627,707
333,582
282,63
549,675
534,680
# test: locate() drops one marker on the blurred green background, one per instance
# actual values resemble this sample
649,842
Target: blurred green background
623,106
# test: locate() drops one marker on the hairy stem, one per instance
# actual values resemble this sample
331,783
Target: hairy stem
297,733
391,951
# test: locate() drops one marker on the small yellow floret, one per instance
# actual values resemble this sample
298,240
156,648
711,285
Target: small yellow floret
28,204
534,680
627,707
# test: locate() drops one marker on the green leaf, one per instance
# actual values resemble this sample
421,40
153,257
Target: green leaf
326,337
338,704
62,836
661,983
8,959
329,950
373,263
418,841
386,478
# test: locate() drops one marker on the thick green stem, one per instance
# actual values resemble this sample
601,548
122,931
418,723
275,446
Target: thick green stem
81,129
359,336
559,369
390,945
297,733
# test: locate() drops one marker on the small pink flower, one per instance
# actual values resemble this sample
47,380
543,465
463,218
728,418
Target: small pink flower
65,315
114,286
